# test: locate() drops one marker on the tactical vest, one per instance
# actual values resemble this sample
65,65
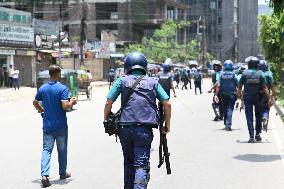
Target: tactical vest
269,79
228,83
141,107
253,83
165,81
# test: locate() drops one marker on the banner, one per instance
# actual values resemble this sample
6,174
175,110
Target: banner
16,33
44,27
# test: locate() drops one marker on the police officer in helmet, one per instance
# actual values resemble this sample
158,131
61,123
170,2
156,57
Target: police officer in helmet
263,66
216,105
166,78
138,117
227,87
255,87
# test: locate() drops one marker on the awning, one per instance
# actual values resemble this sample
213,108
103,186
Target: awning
116,55
47,51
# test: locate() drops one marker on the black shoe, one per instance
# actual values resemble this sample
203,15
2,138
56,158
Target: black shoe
220,118
265,124
258,138
67,175
228,129
251,140
216,118
45,182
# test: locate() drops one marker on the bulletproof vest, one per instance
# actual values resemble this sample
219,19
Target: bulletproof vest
253,83
141,107
228,83
197,76
165,81
268,79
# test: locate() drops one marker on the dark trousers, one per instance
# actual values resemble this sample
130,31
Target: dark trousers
177,85
198,86
189,83
16,83
228,108
265,108
136,145
184,85
10,82
256,103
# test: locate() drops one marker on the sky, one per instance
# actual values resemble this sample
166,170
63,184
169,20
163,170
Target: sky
261,1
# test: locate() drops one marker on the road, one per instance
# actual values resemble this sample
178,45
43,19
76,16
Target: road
203,155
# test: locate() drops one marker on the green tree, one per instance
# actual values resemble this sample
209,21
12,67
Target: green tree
163,45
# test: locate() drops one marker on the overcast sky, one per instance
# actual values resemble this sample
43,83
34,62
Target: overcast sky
262,1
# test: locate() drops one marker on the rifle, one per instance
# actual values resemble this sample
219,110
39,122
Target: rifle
164,155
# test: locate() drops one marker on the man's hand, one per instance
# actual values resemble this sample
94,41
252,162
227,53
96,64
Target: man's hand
166,129
216,99
270,102
73,100
175,95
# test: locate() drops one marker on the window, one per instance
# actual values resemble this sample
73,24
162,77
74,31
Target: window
219,38
220,20
219,4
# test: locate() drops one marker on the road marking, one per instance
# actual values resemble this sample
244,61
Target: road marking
278,141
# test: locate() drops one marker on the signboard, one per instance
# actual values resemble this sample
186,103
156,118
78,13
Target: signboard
25,53
43,27
15,16
7,52
108,43
16,33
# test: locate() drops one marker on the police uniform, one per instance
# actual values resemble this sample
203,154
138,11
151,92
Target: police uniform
165,80
265,108
138,117
253,82
217,105
228,83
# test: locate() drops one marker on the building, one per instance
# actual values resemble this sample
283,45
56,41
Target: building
16,45
231,28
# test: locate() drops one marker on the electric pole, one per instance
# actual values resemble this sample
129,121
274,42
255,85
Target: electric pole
85,12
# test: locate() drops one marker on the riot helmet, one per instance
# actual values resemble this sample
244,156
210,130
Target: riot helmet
167,65
217,66
252,61
263,65
228,65
134,61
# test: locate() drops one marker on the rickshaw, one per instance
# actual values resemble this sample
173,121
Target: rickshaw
84,83
68,78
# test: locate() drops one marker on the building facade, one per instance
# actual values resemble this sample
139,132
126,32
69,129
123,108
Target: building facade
230,27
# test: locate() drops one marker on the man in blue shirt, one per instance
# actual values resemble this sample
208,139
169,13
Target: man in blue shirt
52,100
138,116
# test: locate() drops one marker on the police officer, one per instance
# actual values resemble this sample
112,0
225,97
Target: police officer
177,78
184,79
166,78
198,81
227,87
254,83
263,66
216,105
138,117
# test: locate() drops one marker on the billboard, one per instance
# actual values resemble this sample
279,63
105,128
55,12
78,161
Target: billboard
16,33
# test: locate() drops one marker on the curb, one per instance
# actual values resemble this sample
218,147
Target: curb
279,110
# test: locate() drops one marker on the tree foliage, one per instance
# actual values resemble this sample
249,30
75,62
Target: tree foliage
271,38
163,45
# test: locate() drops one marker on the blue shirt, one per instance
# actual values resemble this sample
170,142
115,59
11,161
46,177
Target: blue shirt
51,95
116,90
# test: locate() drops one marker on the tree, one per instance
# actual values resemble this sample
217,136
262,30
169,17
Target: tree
163,45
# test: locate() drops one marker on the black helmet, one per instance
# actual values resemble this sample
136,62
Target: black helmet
135,60
252,62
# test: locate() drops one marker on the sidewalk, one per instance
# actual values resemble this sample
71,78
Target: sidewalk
279,109
10,94
99,83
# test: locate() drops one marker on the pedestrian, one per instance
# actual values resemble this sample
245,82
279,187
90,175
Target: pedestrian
111,76
263,66
10,76
138,117
216,105
189,77
166,78
184,79
177,78
198,81
1,77
89,75
52,101
255,85
227,87
15,76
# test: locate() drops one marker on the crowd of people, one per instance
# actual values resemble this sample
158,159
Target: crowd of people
139,113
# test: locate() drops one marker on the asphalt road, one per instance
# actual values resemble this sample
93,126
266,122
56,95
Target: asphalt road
203,155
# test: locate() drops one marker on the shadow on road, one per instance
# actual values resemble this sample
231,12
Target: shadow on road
246,142
258,158
54,182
